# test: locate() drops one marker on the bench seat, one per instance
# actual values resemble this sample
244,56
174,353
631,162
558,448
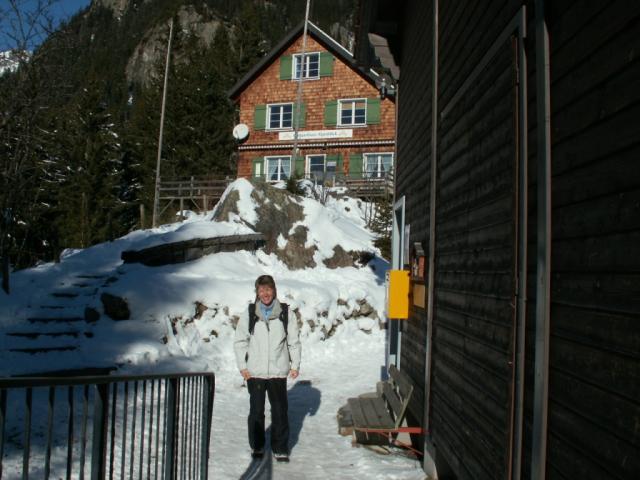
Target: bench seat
371,413
377,419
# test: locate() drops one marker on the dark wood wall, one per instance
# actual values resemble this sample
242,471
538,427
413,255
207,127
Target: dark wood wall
594,392
475,242
413,182
594,389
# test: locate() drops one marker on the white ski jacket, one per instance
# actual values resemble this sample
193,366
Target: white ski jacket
268,353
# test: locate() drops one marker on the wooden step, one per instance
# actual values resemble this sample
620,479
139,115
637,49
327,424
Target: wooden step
55,319
64,294
34,335
33,350
94,277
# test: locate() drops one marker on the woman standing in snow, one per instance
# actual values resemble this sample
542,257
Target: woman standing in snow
267,348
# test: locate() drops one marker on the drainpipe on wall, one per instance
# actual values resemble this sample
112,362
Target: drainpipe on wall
428,464
543,276
522,236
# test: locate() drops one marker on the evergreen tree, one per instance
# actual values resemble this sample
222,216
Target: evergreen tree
198,117
88,197
381,224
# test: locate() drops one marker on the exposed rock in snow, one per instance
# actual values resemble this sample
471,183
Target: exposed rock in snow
115,307
284,219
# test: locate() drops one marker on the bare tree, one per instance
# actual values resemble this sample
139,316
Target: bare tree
24,24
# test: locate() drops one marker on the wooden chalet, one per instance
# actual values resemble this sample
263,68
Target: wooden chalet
345,129
517,172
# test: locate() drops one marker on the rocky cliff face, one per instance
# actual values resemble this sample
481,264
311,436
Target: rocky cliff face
118,6
152,50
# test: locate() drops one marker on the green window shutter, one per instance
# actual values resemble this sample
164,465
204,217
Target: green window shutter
260,117
258,168
303,114
331,113
373,111
355,165
286,62
326,64
299,170
339,167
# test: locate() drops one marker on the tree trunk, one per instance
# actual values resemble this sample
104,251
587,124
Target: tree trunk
5,273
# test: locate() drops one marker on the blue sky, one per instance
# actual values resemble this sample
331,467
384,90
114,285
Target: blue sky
60,10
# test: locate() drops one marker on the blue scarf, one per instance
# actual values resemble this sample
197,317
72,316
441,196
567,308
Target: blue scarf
266,309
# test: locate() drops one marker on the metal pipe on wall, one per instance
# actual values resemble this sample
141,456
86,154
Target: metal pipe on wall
523,156
543,280
428,464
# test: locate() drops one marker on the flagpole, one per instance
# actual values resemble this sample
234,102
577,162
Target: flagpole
296,116
156,198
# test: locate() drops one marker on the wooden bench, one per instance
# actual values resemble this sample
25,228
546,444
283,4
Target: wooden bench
378,420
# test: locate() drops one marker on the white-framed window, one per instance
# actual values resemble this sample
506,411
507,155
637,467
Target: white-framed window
319,167
279,116
377,165
352,112
311,67
277,168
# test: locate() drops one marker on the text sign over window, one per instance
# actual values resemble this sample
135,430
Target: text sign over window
317,134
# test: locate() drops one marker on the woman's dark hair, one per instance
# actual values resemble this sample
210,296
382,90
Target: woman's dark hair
266,280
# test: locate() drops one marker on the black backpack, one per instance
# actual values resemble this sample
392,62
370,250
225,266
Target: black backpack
253,318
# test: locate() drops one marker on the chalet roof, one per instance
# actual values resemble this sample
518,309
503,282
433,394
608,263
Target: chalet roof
320,36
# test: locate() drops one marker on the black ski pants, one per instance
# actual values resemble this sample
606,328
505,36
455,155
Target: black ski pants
276,390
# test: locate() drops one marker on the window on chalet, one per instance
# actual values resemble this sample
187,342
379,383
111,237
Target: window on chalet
311,66
277,168
352,112
316,65
322,167
279,116
377,165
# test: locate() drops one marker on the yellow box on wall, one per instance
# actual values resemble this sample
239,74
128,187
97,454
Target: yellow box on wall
398,294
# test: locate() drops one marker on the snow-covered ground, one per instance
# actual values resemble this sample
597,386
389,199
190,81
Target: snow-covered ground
344,366
342,351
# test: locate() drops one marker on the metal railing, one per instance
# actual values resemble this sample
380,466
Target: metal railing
193,187
198,192
119,426
359,184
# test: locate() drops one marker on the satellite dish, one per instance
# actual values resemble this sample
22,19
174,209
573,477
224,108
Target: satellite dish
240,132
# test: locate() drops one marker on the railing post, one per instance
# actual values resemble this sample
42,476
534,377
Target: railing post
27,433
3,411
207,410
172,406
99,443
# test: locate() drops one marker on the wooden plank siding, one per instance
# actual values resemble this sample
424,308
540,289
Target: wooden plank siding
475,215
594,364
594,401
413,182
594,410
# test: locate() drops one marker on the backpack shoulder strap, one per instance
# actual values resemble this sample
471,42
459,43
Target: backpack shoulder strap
252,317
284,316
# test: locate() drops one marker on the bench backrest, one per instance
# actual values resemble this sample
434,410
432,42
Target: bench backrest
399,394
